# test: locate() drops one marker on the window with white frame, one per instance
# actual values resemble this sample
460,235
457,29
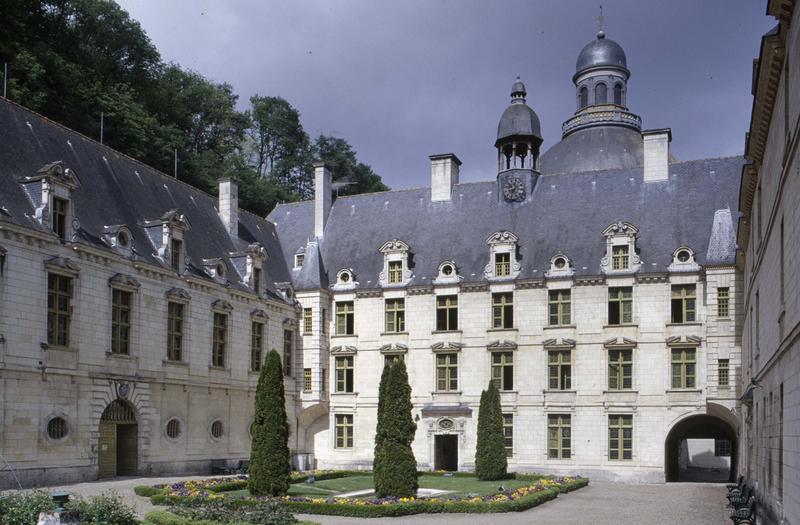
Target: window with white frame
503,261
620,256
396,270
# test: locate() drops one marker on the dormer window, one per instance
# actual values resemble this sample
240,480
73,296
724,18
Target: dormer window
175,254
396,270
257,280
621,256
119,238
560,266
345,280
220,270
123,239
167,234
503,256
60,215
299,258
683,261
448,273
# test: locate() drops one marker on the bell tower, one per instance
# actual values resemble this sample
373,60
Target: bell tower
519,138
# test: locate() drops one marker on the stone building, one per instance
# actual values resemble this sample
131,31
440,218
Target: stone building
769,246
595,283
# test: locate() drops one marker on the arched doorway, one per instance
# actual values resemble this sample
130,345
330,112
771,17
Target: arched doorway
701,448
118,443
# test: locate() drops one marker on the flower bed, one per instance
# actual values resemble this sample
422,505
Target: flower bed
208,493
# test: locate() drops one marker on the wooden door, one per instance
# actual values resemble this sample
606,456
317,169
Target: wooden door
107,450
127,450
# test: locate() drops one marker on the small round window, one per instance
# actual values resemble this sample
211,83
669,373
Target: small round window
220,270
684,255
123,239
447,269
57,428
345,277
216,429
173,429
560,263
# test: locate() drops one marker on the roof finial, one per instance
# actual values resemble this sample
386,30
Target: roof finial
600,19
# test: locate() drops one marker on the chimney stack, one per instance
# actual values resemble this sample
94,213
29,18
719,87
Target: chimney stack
656,154
322,198
229,205
444,175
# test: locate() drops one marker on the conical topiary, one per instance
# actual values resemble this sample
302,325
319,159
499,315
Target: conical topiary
490,454
269,457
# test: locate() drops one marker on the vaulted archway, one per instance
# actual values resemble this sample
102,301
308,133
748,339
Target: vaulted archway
701,447
118,443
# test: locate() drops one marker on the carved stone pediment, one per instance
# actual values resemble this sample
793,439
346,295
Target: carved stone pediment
502,237
394,348
178,294
394,246
556,344
502,345
121,280
222,305
62,265
620,342
689,340
259,315
344,350
447,346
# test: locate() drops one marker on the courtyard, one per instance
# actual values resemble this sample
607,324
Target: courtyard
600,503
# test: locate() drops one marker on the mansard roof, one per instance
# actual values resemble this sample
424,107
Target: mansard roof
566,213
118,190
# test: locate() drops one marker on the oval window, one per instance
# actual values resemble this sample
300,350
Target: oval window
560,263
122,239
216,429
345,277
173,428
57,428
683,255
447,269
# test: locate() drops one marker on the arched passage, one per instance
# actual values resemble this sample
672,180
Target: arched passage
685,460
118,445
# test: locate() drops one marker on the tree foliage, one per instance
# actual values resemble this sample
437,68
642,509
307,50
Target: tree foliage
394,466
72,60
490,453
269,470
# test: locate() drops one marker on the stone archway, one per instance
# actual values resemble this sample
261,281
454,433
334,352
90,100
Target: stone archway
677,456
118,443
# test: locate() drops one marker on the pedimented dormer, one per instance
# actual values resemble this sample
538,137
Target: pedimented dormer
621,257
249,265
166,234
396,256
503,258
50,191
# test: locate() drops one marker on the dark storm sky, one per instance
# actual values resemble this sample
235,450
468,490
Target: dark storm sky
401,80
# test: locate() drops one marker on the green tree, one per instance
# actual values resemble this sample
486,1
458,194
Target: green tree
490,453
269,457
394,466
354,176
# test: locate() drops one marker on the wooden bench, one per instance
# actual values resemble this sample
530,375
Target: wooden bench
740,499
745,513
220,466
737,486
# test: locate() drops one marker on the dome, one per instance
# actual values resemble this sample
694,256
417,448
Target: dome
595,148
518,119
601,52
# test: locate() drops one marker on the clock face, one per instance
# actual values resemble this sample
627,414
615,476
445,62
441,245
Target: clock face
514,190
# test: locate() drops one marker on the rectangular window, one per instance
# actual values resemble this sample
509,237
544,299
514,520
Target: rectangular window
446,313
395,272
722,448
174,331
503,310
620,305
560,307
447,372
59,309
620,437
620,369
257,280
723,373
619,257
503,370
344,431
220,340
121,301
723,302
559,369
288,352
345,318
395,315
508,434
306,380
559,436
308,319
299,258
683,303
256,345
60,217
344,373
175,249
683,367
502,264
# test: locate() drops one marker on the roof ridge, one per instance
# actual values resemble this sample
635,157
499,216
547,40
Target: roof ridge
135,160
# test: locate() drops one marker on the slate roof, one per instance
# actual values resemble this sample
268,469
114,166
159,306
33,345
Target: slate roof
565,212
601,52
601,147
118,190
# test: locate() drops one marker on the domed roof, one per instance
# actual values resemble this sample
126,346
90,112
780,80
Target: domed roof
601,52
518,119
595,148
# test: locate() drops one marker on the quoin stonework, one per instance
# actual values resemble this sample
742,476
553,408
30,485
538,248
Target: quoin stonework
596,283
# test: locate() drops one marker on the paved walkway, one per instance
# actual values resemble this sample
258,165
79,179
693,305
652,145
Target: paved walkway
601,503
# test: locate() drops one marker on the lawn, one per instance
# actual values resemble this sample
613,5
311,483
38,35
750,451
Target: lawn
456,485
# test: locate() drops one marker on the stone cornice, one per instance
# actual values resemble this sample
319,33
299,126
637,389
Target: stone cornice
368,293
474,287
528,284
649,278
422,289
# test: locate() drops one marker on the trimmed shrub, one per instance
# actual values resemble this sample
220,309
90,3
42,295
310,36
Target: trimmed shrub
145,491
105,509
394,466
229,511
269,456
162,517
23,508
490,453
